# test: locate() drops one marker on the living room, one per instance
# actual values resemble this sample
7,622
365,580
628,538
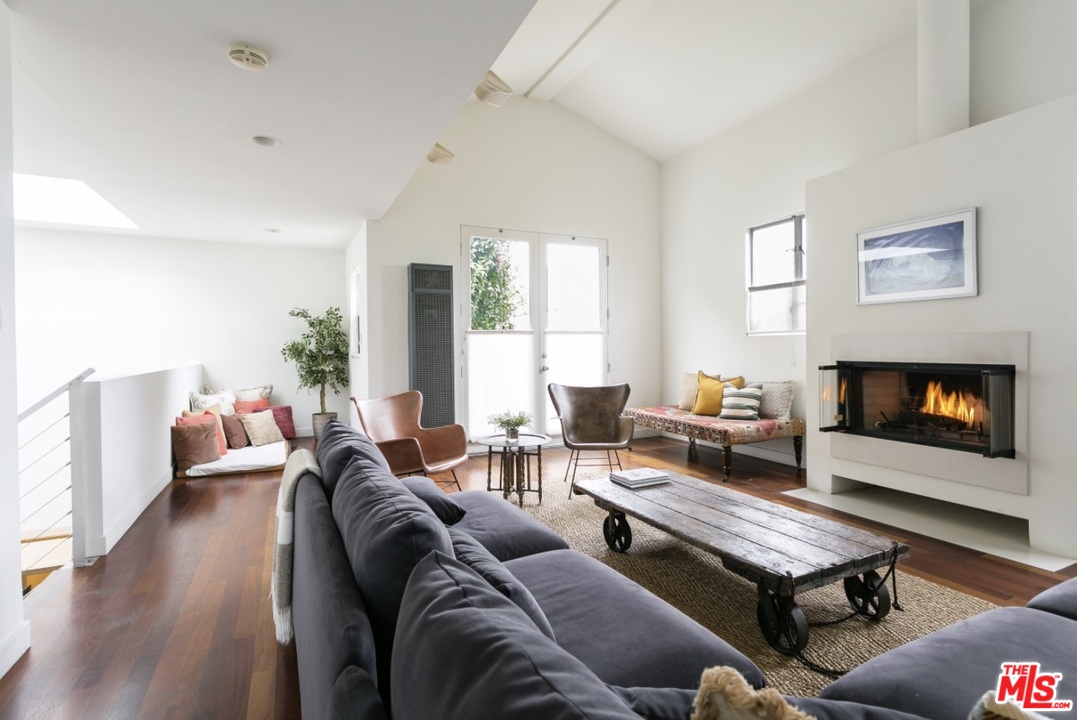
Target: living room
675,229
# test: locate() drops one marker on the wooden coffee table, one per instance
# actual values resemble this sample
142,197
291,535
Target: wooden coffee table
782,550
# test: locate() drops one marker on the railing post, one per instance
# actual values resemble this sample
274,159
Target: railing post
77,426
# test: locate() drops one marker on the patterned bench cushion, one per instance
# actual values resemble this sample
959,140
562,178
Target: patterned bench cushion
670,418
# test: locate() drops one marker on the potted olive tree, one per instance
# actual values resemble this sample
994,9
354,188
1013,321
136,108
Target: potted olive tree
321,357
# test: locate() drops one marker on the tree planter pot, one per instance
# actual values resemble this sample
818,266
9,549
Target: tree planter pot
320,420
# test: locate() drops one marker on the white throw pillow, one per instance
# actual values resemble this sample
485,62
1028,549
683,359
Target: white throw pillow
261,392
777,399
261,427
689,388
225,398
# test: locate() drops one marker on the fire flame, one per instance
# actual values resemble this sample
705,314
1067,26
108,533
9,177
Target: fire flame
841,391
938,402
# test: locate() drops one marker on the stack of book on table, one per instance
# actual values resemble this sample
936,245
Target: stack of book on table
639,477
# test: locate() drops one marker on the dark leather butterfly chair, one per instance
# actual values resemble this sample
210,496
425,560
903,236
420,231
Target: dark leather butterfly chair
393,424
591,422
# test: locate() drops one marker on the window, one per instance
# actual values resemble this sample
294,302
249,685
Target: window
776,276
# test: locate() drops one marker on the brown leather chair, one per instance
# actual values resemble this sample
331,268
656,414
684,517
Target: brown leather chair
393,424
591,421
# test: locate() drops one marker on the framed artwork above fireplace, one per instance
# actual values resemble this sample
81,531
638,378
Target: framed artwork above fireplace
923,259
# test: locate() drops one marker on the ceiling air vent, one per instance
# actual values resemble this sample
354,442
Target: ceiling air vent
247,56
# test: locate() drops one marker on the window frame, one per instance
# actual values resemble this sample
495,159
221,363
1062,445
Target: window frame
799,274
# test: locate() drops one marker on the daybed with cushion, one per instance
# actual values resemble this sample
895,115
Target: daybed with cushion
251,434
727,412
408,602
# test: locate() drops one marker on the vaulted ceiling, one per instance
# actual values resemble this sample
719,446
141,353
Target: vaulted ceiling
140,101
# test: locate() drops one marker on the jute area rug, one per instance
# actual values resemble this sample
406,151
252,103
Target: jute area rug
697,584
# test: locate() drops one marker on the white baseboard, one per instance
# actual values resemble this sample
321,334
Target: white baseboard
13,647
98,546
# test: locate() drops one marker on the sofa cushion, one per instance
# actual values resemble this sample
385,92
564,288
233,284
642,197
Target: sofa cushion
354,697
337,445
626,635
841,710
502,528
657,703
1060,600
465,650
468,551
386,530
724,695
441,502
951,668
332,630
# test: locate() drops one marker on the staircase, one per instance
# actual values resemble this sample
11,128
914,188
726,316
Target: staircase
49,475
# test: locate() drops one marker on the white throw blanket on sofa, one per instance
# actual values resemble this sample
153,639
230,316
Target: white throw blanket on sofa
299,462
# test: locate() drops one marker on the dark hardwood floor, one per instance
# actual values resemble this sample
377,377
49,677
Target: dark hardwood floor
175,621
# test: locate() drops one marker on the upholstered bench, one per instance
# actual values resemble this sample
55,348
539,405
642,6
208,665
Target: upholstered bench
727,433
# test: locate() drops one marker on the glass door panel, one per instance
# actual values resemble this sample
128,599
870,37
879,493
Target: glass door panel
499,372
574,340
537,315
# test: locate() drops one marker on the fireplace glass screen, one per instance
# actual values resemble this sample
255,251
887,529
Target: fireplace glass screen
960,407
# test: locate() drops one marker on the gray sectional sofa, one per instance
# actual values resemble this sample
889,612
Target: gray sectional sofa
410,603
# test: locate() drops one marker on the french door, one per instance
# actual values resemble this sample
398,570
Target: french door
534,313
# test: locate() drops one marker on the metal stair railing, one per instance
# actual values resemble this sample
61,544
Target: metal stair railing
52,476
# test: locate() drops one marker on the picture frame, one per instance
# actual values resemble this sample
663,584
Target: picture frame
924,259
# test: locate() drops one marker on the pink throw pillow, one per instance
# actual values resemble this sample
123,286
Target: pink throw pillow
249,406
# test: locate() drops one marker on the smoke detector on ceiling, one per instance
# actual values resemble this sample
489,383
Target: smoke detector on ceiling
247,56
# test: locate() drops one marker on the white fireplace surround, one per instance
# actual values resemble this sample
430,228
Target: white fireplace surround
1001,474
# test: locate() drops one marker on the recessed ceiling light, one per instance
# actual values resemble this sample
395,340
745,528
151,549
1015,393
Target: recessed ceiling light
248,57
265,140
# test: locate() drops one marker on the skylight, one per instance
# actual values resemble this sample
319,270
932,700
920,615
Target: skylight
49,200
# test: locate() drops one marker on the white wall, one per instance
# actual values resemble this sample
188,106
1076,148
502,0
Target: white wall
14,630
528,166
355,275
755,174
127,305
1019,172
1022,54
128,458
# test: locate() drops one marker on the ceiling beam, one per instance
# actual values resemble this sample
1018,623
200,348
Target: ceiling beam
599,35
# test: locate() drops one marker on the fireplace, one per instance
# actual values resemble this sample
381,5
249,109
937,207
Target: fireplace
964,407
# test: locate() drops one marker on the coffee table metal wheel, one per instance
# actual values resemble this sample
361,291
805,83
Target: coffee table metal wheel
868,595
616,531
782,623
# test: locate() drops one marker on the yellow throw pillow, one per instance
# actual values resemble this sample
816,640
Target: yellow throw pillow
709,397
737,382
